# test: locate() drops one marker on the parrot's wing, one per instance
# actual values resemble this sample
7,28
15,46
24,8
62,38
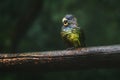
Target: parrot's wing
82,38
81,34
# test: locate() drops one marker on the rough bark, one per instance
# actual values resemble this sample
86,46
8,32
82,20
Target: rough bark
82,58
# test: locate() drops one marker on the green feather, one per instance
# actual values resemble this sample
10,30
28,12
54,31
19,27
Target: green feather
72,37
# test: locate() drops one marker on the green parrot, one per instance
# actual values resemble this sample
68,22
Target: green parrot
72,34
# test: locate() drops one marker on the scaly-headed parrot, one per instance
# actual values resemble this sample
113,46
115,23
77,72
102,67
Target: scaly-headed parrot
72,35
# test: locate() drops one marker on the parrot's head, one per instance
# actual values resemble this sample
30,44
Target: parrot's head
69,19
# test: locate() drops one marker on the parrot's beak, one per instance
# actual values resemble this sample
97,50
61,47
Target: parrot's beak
65,22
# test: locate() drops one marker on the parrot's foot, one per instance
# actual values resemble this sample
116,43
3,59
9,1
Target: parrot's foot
71,48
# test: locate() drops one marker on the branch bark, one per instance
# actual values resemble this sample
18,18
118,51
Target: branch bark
82,58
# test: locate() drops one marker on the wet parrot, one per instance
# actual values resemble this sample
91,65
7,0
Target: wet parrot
72,35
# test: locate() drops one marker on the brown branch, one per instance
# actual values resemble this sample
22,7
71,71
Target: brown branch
84,58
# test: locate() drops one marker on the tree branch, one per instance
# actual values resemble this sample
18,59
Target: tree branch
82,58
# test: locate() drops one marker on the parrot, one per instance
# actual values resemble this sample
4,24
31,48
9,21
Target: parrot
72,35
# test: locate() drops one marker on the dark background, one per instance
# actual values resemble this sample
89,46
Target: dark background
34,25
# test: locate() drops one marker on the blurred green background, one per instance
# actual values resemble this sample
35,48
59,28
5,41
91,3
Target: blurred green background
34,25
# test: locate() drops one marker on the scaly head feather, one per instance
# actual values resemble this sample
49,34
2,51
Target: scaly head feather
69,19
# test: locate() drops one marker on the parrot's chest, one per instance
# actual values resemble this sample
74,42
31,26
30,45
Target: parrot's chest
67,29
66,33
